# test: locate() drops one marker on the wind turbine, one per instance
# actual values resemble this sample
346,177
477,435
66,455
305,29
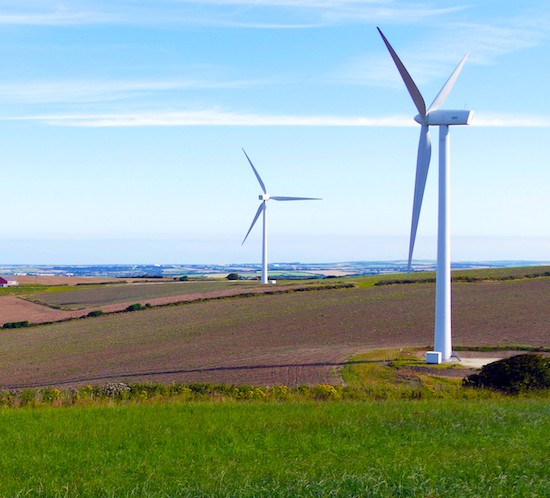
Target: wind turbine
442,118
263,209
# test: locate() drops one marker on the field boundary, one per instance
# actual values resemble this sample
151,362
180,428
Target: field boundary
428,279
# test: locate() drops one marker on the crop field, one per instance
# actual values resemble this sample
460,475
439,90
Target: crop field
292,339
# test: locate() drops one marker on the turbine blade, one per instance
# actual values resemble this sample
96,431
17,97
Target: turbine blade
409,83
448,86
422,166
256,216
256,173
285,198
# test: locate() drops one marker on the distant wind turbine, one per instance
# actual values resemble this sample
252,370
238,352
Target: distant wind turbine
443,119
262,209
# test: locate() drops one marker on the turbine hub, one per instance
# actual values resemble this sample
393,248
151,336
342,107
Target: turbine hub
421,120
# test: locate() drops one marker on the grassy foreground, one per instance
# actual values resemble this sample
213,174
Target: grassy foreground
391,448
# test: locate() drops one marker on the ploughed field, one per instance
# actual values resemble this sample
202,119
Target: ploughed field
287,338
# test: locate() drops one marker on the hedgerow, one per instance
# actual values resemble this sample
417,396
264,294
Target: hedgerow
16,325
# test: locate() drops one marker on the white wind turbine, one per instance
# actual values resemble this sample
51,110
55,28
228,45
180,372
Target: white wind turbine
262,209
443,119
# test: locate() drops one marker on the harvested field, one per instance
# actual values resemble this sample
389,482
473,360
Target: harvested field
136,292
268,339
61,280
15,309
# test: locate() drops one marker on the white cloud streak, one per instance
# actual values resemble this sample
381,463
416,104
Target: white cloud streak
232,13
217,117
103,91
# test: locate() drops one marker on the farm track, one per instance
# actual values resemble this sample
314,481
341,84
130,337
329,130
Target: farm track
296,338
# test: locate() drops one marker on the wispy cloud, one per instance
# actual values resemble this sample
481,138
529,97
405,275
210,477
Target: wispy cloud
269,14
434,56
220,117
87,91
208,117
47,13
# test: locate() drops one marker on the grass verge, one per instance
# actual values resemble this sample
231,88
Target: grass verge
393,448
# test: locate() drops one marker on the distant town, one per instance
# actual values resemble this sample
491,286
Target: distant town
291,270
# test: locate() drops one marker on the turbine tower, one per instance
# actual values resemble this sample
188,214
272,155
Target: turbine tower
442,118
262,210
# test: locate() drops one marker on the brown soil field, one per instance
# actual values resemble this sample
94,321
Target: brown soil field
292,339
16,309
60,280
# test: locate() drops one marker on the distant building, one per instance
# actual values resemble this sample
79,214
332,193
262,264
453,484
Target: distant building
4,282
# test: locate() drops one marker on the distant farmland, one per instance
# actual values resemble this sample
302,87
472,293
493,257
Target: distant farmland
302,337
113,294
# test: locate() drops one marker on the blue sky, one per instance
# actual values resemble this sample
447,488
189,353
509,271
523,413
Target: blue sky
122,122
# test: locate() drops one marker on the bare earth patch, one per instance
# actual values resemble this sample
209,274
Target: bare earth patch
61,280
16,309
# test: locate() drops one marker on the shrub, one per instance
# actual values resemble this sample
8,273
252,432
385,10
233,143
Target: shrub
183,278
135,307
95,313
16,325
233,276
514,375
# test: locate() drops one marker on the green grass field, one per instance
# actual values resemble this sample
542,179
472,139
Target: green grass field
27,289
471,275
392,448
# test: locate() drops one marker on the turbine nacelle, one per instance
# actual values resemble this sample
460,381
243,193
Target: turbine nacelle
264,197
445,117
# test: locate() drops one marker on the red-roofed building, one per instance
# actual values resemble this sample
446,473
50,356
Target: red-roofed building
4,282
